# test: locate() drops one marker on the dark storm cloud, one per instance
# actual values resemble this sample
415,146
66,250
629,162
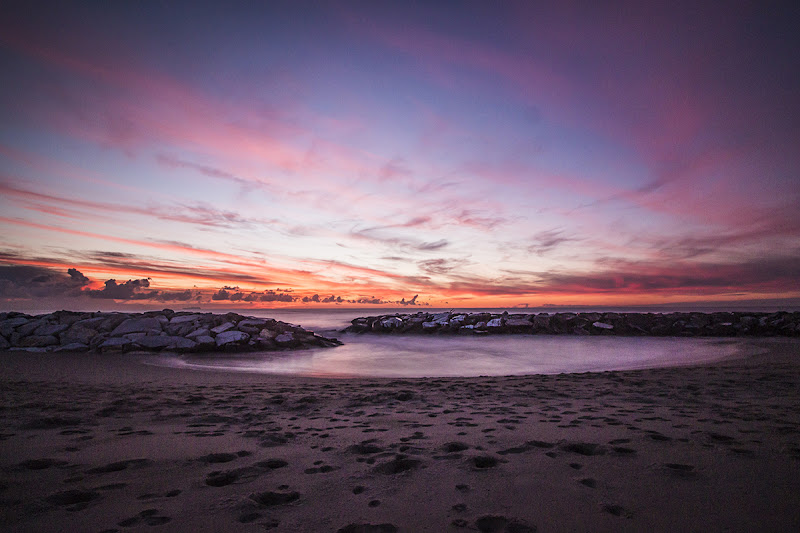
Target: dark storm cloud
133,289
26,281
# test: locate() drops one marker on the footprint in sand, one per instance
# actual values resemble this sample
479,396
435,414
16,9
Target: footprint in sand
497,524
365,448
271,499
397,465
219,458
246,518
118,466
617,510
681,470
368,528
622,450
221,479
271,464
482,462
584,448
149,517
324,469
455,447
226,477
74,499
41,464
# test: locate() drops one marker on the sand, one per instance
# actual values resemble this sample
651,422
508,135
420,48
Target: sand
104,443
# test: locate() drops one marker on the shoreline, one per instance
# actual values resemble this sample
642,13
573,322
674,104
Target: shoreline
488,349
101,442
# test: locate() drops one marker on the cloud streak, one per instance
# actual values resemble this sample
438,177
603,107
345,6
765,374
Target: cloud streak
552,153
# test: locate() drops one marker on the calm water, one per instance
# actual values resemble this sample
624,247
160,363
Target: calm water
440,356
432,356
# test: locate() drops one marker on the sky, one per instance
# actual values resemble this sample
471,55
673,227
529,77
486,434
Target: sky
461,154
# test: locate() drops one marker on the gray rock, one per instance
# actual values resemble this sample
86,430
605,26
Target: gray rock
70,331
68,317
180,319
541,321
231,337
457,320
73,347
285,338
518,322
265,344
164,341
252,323
183,345
392,322
13,322
602,325
181,330
267,334
223,328
28,329
430,325
37,341
135,325
111,321
204,342
441,318
495,323
77,333
116,343
198,333
91,323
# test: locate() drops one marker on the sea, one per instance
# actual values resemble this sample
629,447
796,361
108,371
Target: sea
418,356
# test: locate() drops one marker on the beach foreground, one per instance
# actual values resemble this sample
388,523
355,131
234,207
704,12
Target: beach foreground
102,442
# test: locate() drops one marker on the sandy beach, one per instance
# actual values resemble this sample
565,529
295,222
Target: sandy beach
101,442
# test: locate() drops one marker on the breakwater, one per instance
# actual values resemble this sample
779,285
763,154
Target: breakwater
722,324
152,331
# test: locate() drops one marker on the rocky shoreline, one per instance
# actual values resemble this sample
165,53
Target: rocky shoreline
69,331
722,324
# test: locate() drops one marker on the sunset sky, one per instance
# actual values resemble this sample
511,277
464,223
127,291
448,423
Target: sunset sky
470,154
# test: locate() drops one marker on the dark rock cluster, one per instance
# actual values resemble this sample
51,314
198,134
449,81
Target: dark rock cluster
151,331
724,324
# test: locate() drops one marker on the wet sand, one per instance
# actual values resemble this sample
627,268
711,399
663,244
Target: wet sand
92,442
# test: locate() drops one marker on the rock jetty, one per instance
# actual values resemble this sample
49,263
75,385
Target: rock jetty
165,330
727,324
